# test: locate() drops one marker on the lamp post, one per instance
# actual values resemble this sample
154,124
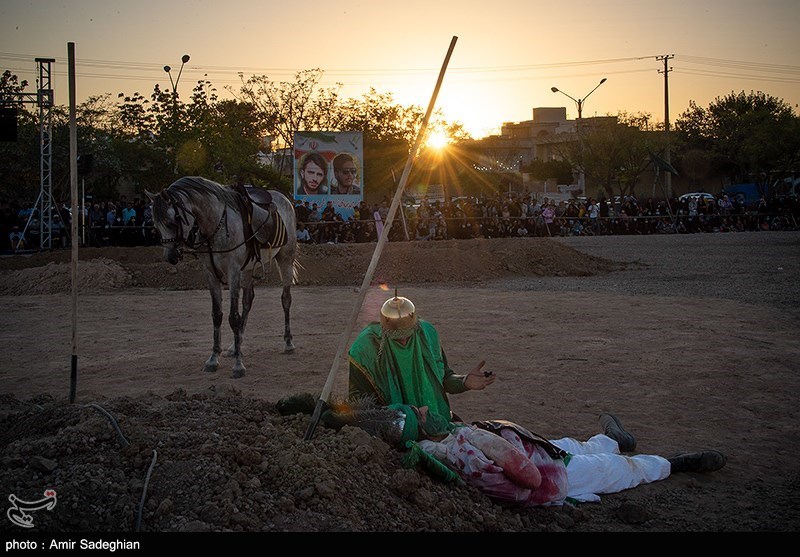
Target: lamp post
184,59
579,102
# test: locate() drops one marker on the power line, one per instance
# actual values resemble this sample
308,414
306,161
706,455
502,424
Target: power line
231,75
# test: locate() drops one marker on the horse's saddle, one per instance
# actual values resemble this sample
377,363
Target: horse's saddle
259,196
252,194
274,228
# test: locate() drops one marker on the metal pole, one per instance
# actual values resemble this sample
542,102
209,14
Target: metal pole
83,211
398,195
668,178
73,179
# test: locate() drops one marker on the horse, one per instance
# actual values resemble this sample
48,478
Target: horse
226,227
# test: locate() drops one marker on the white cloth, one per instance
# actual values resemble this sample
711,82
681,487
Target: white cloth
596,467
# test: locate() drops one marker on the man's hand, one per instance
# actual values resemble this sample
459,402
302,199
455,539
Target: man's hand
477,379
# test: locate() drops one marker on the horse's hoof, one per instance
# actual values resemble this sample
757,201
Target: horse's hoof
238,373
288,349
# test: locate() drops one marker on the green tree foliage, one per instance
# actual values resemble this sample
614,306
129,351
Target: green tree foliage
750,137
561,171
285,107
148,141
612,152
19,173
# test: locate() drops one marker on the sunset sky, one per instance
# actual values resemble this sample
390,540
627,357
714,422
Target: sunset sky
508,55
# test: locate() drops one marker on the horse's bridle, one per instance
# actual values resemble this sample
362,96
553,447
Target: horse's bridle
190,240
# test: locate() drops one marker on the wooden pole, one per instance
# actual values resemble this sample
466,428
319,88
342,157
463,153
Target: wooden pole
398,195
73,179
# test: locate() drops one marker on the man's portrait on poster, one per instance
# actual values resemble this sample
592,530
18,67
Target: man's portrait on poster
345,174
313,175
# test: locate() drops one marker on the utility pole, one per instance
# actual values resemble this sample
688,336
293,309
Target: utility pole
668,176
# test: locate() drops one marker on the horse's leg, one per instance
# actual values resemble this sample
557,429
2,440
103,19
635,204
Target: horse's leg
235,321
216,317
248,294
286,269
286,302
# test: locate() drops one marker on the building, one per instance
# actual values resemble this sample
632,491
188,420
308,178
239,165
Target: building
520,143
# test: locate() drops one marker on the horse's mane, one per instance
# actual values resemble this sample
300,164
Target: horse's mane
197,191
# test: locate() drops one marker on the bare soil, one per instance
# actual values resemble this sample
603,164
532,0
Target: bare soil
690,340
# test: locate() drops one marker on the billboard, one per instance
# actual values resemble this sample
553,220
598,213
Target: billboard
329,167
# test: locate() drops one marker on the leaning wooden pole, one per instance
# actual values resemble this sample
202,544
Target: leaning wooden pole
398,195
73,179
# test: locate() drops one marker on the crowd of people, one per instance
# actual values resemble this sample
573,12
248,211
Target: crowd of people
526,215
105,223
130,222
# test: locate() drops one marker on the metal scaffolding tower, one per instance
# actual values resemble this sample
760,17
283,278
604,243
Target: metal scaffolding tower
45,101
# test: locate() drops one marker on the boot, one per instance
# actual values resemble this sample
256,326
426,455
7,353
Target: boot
612,427
704,461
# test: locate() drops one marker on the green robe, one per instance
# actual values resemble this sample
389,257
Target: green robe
416,374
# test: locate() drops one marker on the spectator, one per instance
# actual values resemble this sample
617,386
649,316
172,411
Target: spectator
549,213
314,222
15,239
328,219
302,234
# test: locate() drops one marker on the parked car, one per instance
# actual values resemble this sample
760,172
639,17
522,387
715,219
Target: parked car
697,195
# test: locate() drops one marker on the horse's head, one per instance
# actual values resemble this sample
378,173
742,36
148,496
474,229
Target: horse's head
173,222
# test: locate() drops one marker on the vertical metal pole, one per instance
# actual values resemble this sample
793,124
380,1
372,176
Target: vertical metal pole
73,180
83,211
667,157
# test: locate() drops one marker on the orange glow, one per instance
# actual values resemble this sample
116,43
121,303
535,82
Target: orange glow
383,286
437,140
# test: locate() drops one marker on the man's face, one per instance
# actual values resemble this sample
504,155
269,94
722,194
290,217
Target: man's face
346,175
313,176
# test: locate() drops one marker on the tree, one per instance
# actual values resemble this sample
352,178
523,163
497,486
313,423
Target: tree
19,173
286,107
748,137
561,171
611,151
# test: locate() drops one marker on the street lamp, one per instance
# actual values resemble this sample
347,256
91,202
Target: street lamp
184,59
579,102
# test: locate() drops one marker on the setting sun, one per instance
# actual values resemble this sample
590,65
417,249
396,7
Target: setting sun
437,140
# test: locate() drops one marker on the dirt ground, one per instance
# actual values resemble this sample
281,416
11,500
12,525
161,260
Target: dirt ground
691,340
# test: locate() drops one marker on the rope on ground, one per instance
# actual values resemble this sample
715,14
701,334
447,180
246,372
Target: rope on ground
144,490
112,419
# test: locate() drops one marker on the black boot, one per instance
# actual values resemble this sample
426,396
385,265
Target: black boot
705,461
612,427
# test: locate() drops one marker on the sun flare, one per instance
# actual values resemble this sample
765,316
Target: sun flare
437,140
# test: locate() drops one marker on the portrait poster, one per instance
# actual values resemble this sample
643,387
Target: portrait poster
329,167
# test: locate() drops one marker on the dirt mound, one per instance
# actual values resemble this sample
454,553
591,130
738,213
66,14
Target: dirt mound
452,261
218,461
95,274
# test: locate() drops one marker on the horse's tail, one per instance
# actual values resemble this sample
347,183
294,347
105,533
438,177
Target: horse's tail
296,268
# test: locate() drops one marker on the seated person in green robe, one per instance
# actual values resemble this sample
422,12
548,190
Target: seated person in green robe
400,360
